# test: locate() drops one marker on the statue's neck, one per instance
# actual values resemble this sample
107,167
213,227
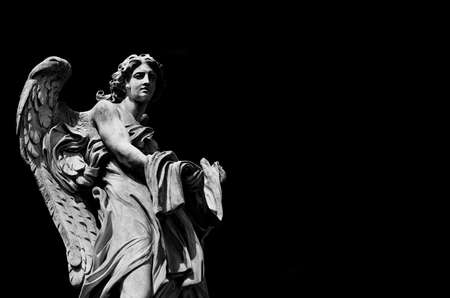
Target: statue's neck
136,109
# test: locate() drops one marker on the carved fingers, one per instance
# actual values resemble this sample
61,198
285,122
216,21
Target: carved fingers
214,170
222,173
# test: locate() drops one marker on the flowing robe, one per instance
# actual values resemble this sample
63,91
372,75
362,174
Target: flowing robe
160,222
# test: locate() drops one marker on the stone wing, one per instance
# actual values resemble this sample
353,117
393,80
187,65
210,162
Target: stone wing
53,142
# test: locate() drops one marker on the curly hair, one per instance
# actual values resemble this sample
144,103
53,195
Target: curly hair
123,75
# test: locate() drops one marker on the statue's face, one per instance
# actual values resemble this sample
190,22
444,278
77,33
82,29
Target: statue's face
142,84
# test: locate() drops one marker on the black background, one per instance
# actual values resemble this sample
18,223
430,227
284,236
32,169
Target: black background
270,98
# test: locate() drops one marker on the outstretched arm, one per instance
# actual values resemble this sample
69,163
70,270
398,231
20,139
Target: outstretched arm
115,136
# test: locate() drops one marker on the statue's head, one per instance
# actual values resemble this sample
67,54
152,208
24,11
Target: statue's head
123,81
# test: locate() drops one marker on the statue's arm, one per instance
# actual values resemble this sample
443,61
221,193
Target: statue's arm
116,139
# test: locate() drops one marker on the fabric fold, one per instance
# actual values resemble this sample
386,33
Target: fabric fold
159,222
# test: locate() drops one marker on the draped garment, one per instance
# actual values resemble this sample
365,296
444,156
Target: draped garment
160,221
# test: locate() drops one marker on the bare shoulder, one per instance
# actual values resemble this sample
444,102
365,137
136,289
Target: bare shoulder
103,110
104,106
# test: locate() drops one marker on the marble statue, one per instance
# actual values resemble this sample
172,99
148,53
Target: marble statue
132,217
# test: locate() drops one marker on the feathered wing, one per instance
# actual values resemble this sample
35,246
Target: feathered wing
53,142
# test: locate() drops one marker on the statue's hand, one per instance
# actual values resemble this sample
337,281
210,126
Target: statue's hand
222,173
216,167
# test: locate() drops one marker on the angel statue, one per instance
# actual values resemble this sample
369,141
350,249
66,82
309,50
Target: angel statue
132,217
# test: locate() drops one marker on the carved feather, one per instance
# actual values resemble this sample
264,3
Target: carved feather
53,143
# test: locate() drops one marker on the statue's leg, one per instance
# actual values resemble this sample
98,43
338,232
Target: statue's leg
138,283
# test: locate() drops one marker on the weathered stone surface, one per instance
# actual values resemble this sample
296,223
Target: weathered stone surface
123,208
